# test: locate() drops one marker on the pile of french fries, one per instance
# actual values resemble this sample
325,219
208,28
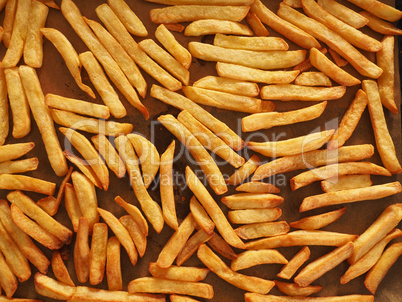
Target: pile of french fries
304,50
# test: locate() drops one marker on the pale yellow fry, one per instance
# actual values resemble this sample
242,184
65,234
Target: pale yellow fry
251,297
244,171
69,55
118,53
318,221
256,25
273,59
283,27
18,103
346,182
182,273
213,26
192,245
251,258
379,9
135,213
19,166
113,265
241,201
60,270
8,22
349,196
226,84
248,216
292,146
313,78
128,18
4,114
117,29
43,119
216,265
263,229
386,80
335,170
267,120
97,256
384,142
294,263
72,206
51,288
380,25
139,238
203,2
151,209
8,281
213,124
84,167
26,183
292,289
292,92
19,34
81,251
14,151
363,65
201,216
257,187
251,43
322,63
33,50
343,13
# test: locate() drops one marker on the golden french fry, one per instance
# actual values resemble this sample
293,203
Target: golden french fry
19,166
221,246
203,2
379,25
379,9
13,151
263,229
257,187
337,58
48,204
294,290
26,183
201,216
8,22
256,25
318,221
214,26
51,288
81,251
335,170
228,85
313,78
166,38
192,245
252,297
292,92
128,18
250,43
294,263
251,258
251,201
139,238
72,206
228,101
8,281
344,13
60,193
97,255
306,64
84,167
216,265
182,273
267,120
244,171
293,3
113,265
60,270
4,114
51,4
346,182
283,27
254,215
181,298
274,59
135,213
313,159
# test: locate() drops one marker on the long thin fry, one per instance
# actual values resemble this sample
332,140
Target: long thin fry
8,23
128,17
19,166
379,9
343,13
4,114
14,151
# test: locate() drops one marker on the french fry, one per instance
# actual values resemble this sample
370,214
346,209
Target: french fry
322,63
257,187
306,64
81,251
188,13
364,66
43,119
301,238
346,182
291,92
385,223
51,4
197,150
344,13
331,171
139,238
244,171
213,124
251,201
283,27
252,297
19,166
135,213
26,183
337,58
349,196
366,262
8,281
166,286
313,78
220,246
292,146
14,151
254,215
319,267
18,103
318,221
245,73
349,120
274,59
379,25
166,38
181,298
213,210
294,263
151,209
72,206
176,242
51,288
48,204
128,18
250,43
8,22
121,233
256,25
86,197
69,55
228,85
33,50
60,270
192,245
251,258
313,159
263,229
109,154
386,80
166,187
98,253
19,34
213,26
384,142
379,9
216,265
201,216
203,2
292,289
181,273
113,265
117,29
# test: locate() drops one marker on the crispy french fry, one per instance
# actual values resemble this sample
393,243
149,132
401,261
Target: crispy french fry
256,25
128,18
306,64
14,151
97,255
380,25
313,78
26,183
257,187
337,58
228,85
251,201
8,281
181,298
19,166
379,9
252,297
214,26
343,13
139,238
254,215
318,221
182,273
113,265
8,22
135,213
346,182
244,171
217,243
291,92
192,245
216,265
251,258
81,251
251,43
203,2
294,263
51,4
60,270
263,229
72,206
201,216
51,288
293,3
294,290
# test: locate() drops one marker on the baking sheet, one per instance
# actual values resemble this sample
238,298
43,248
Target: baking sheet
55,78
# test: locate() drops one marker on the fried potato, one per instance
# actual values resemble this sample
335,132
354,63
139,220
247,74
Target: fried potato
337,58
225,84
254,215
113,265
313,78
135,213
242,201
48,204
343,13
26,183
294,263
19,166
98,253
306,64
263,229
128,18
201,216
192,246
274,59
379,9
292,289
216,265
218,244
250,43
181,273
72,206
139,238
214,26
60,270
293,33
293,3
13,151
346,182
291,92
257,187
43,119
268,120
244,171
256,25
50,3
379,25
318,221
8,281
181,298
349,121
252,297
81,251
203,2
8,22
51,288
251,258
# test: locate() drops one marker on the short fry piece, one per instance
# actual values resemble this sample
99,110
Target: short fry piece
228,85
346,182
128,17
182,273
113,265
192,245
139,238
201,216
251,43
251,201
181,298
14,151
26,183
292,289
257,187
135,213
81,251
203,2
97,255
8,281
294,264
256,25
313,78
60,270
213,26
254,215
251,258
244,171
263,229
337,58
318,221
220,246
51,288
292,92
19,166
